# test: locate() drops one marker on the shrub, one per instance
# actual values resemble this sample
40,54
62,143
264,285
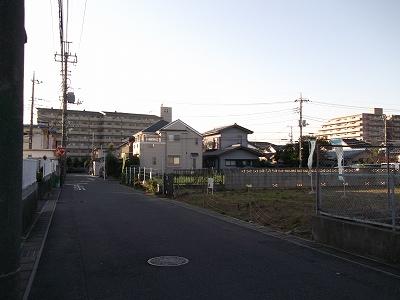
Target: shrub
151,186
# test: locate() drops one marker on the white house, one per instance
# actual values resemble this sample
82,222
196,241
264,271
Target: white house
43,142
168,146
183,146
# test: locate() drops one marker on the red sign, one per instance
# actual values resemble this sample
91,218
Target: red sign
60,151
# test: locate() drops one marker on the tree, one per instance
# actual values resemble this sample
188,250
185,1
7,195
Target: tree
113,165
288,155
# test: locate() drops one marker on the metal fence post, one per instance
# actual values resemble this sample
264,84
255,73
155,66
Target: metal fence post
317,183
392,201
134,177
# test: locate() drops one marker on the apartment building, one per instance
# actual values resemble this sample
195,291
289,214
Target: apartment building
87,130
368,127
393,129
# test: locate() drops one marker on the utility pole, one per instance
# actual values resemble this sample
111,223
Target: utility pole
34,81
65,57
12,40
291,135
301,125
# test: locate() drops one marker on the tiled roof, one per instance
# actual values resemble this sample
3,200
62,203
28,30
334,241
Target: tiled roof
156,126
229,149
220,129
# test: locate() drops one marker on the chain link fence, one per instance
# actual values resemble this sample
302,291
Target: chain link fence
189,181
359,184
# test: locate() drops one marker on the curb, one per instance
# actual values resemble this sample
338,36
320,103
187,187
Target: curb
32,247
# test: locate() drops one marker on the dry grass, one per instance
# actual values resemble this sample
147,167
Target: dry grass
285,210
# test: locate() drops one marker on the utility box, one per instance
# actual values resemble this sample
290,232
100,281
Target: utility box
71,97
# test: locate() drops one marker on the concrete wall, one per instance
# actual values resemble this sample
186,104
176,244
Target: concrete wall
357,238
293,178
267,178
30,197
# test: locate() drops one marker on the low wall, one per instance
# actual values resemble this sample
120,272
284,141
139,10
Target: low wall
357,238
30,197
297,178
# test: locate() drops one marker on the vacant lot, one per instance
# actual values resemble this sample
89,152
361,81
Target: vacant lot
285,210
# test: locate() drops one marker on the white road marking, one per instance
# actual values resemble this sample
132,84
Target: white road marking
79,187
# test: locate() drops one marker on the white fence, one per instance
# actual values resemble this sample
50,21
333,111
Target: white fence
49,166
31,166
29,169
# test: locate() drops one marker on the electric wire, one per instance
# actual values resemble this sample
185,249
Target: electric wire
238,115
83,22
232,104
52,23
66,22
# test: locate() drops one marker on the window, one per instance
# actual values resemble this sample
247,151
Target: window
174,137
154,161
173,160
196,141
230,162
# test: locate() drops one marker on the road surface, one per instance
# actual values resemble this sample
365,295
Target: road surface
104,233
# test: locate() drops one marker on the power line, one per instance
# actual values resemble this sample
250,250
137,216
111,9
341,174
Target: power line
338,105
238,115
66,22
83,22
321,103
52,23
232,104
270,123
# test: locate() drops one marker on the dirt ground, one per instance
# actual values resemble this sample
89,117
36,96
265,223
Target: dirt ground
285,210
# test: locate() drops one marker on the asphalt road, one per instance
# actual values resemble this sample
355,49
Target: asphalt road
103,234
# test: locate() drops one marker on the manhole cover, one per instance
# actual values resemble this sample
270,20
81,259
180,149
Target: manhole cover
168,261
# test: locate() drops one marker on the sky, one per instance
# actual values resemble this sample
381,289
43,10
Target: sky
219,62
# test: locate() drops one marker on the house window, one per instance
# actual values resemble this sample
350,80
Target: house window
173,160
174,137
154,160
230,162
196,141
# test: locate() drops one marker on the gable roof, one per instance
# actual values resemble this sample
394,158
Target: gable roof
156,126
262,145
170,126
220,129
